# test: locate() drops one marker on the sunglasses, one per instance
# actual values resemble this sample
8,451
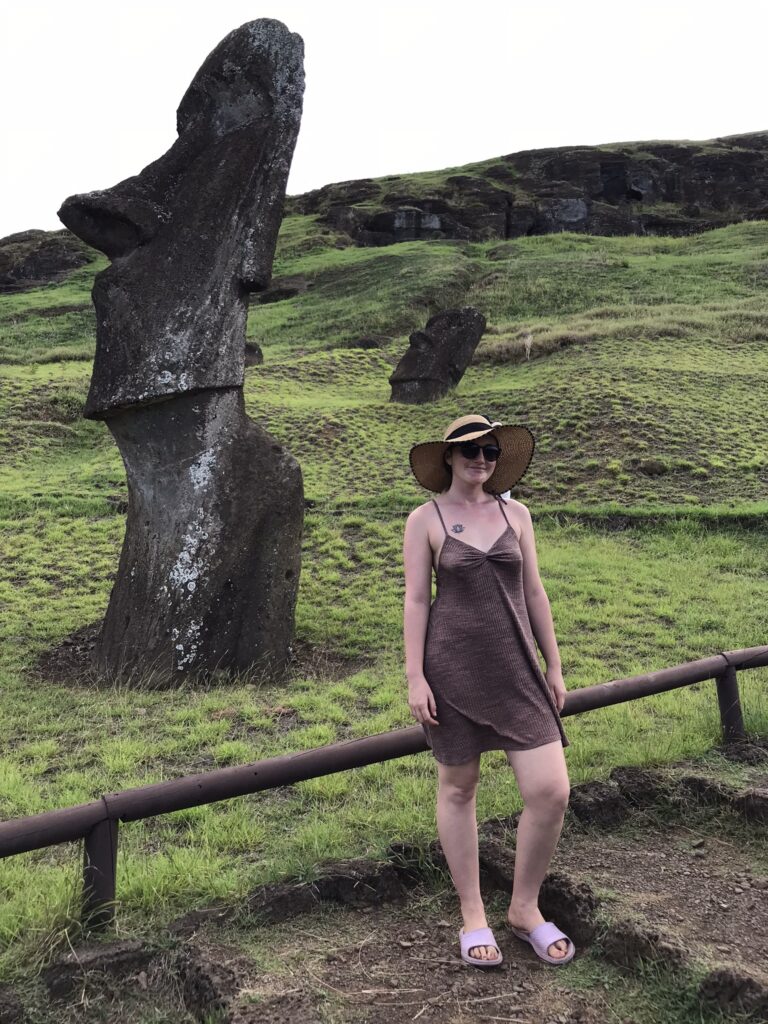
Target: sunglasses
470,450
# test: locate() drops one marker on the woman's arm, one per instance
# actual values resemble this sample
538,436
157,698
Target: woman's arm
539,611
417,561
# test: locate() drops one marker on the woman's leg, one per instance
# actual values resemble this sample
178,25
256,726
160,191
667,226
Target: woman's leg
457,828
542,778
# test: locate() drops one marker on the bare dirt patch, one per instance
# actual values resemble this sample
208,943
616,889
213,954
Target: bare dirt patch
69,662
698,887
666,898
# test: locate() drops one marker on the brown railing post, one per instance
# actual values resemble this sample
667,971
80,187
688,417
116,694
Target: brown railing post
99,875
730,705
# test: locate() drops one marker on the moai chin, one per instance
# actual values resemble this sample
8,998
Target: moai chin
209,570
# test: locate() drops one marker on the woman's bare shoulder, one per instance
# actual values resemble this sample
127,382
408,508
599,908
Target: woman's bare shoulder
519,513
419,522
518,507
422,511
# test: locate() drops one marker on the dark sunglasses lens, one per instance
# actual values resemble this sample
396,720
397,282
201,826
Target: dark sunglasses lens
470,451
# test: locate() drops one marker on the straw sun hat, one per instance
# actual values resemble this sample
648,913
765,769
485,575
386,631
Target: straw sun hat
516,443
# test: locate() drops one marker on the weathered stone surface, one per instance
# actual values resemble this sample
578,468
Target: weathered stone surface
639,188
438,356
210,564
196,230
209,570
31,258
117,959
598,803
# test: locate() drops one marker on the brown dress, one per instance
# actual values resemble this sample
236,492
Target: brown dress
480,656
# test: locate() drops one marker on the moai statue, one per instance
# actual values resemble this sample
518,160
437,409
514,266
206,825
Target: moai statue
437,357
209,570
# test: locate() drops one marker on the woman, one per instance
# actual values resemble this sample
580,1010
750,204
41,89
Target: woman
474,678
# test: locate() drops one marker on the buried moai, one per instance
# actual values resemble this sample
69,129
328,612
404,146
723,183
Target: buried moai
437,356
209,570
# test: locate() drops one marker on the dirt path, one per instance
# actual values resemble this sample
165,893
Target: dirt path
660,877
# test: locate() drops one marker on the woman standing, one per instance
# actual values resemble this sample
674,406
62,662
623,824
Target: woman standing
474,678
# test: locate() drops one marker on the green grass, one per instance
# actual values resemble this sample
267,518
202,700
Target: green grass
642,349
650,995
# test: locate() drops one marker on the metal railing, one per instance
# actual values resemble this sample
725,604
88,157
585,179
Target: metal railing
97,822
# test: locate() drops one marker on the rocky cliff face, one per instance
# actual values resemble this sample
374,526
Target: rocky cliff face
644,188
658,188
31,258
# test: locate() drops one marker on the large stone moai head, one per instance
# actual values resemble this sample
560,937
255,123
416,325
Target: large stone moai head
196,230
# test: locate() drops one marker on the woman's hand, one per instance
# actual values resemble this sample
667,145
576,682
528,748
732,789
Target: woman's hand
554,678
421,701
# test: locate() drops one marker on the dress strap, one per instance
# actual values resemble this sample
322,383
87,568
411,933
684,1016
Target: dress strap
501,506
440,514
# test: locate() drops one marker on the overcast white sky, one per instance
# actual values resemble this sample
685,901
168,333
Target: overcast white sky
90,89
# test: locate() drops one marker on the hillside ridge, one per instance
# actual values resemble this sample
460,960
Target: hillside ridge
651,187
623,188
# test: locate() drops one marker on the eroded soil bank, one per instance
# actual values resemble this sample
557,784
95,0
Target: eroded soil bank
661,878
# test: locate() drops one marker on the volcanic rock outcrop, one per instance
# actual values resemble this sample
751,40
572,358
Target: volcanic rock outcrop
31,258
209,569
438,356
653,188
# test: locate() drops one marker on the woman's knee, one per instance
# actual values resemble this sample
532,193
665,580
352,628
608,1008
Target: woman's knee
458,784
459,794
550,796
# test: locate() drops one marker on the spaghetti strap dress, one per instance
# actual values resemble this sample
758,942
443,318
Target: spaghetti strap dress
480,657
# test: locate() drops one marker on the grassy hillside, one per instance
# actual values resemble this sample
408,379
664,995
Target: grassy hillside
644,387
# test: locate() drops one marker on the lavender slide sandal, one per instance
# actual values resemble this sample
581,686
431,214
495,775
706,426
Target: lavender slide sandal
478,937
541,938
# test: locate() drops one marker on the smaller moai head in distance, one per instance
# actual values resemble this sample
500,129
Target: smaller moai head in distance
437,356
